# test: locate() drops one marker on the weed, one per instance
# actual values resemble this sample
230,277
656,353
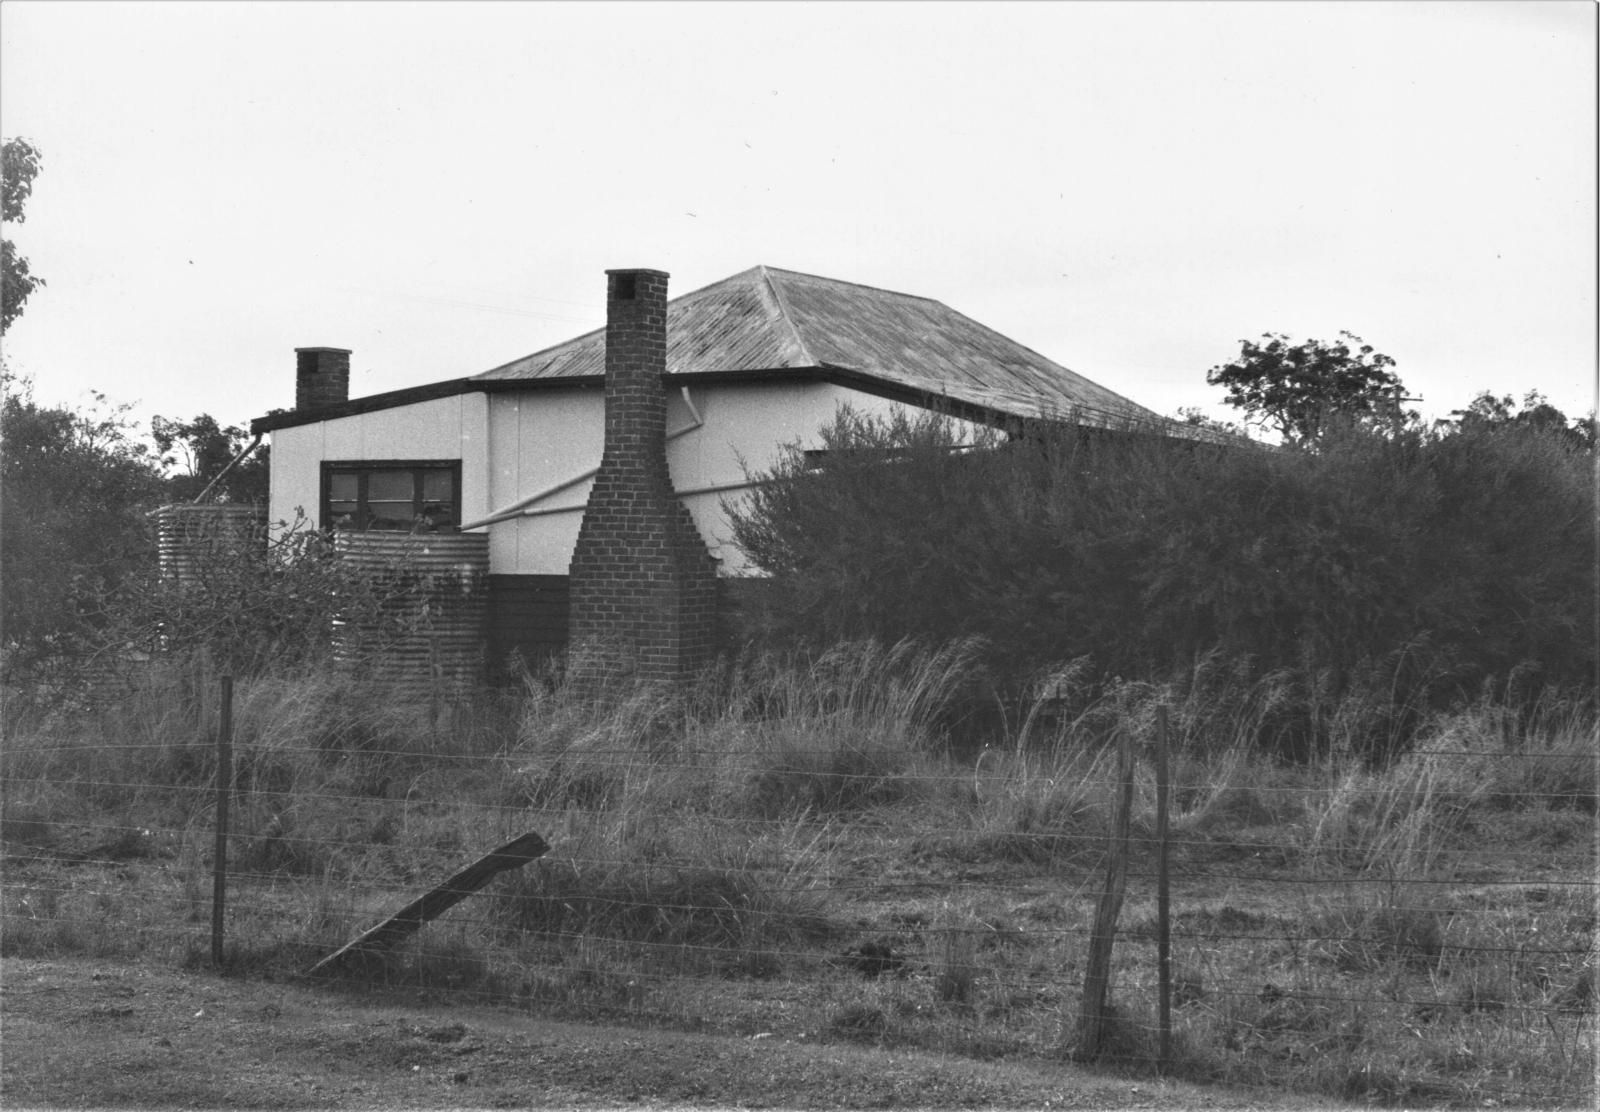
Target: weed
956,974
860,1022
716,851
704,907
1040,808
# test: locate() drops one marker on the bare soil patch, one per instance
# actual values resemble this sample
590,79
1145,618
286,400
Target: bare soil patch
92,1034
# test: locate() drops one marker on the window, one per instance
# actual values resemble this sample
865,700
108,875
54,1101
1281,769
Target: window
403,496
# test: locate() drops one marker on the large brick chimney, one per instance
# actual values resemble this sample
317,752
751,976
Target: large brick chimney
643,586
321,376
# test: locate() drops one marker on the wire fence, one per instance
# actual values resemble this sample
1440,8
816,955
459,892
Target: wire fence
1418,933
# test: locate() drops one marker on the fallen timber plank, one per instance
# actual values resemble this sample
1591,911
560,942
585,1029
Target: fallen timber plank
435,902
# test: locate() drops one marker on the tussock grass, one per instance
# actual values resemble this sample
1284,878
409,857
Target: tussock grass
718,851
1040,808
852,729
691,887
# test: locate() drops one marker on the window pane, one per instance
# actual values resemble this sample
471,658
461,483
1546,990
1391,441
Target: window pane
389,515
391,486
437,485
393,497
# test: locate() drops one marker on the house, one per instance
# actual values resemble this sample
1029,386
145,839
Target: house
598,468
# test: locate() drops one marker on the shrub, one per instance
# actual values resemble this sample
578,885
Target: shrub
74,486
259,598
850,728
1385,574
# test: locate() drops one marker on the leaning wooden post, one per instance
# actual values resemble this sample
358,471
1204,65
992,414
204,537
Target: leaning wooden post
1094,1017
219,865
1163,902
439,899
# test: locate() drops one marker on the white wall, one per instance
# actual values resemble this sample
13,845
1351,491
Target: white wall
541,439
445,428
546,437
296,470
513,446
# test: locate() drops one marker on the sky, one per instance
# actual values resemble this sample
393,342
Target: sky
1130,189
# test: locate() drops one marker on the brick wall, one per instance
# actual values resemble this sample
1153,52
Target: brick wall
643,587
321,376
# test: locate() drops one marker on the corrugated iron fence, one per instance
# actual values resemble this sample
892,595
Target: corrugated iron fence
751,865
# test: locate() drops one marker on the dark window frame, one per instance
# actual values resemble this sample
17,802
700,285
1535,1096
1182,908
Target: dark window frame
364,468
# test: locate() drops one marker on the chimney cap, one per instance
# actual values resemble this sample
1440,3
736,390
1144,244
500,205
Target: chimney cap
341,351
639,270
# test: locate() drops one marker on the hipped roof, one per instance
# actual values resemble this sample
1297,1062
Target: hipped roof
770,320
766,324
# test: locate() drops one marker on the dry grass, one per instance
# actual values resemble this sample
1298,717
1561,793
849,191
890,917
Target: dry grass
727,858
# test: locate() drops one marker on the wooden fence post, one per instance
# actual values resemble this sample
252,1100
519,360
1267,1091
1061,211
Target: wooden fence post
439,899
1094,1017
1163,901
219,863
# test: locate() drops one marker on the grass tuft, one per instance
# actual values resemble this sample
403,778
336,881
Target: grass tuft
1402,932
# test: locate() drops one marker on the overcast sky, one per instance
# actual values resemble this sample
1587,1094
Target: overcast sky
1127,188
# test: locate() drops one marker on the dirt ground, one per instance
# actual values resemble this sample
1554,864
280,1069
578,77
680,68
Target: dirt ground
92,1034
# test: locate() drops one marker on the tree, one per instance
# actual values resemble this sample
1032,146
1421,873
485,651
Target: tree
1194,417
74,489
19,164
201,449
1300,389
1536,415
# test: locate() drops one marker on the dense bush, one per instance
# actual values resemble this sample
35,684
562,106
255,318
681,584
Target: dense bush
258,598
246,601
77,486
74,488
1420,566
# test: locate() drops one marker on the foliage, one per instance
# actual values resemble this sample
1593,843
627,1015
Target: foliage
77,486
1193,416
872,544
1536,414
1300,389
1418,565
74,486
1417,935
203,448
20,162
255,598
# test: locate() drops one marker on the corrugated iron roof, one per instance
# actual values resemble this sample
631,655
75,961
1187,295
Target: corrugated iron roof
768,319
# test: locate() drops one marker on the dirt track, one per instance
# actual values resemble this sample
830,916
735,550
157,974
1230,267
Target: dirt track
87,1034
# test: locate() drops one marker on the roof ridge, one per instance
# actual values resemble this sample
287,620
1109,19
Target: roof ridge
857,285
783,310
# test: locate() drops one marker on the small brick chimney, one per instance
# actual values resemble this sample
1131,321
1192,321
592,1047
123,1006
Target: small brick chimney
321,377
643,587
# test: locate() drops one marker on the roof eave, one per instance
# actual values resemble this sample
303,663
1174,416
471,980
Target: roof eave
849,377
371,404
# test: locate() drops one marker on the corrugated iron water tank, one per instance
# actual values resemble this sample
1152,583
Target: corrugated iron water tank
188,535
429,623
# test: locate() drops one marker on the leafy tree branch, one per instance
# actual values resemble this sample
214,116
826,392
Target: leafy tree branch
1300,390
